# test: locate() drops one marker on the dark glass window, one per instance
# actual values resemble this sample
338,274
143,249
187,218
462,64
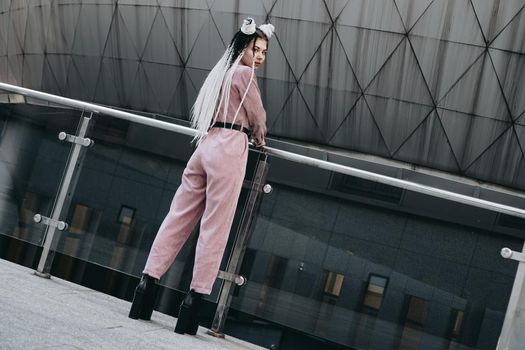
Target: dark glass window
334,283
375,292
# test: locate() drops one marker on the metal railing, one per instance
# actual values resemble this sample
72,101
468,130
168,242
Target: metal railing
515,299
318,163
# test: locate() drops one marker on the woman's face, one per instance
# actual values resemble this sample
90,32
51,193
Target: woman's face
257,56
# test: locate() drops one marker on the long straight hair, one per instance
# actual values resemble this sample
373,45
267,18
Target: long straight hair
210,100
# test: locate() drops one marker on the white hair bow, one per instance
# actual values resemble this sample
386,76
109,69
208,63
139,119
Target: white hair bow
248,26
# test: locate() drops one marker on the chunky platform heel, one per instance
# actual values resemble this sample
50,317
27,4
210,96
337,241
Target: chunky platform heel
144,298
187,321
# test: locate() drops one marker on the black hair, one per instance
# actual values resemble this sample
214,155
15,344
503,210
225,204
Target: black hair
240,41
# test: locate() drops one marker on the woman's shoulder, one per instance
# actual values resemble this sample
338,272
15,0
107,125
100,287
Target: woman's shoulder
243,70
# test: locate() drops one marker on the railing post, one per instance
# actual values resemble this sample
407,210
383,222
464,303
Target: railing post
64,194
512,335
246,226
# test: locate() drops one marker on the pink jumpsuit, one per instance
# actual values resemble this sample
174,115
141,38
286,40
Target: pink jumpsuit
211,184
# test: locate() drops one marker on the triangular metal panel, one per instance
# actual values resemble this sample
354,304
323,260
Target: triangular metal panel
396,119
193,4
208,48
118,75
32,74
274,93
492,167
160,47
367,50
512,37
377,14
411,10
305,10
16,31
138,20
162,79
335,7
251,8
82,77
93,28
510,68
299,40
296,122
469,135
37,27
478,92
186,92
15,65
54,79
443,62
450,20
63,21
119,43
328,85
142,97
428,145
359,132
494,15
400,78
184,26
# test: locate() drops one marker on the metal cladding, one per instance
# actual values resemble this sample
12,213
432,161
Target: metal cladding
437,83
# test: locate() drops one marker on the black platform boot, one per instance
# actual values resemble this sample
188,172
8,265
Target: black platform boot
144,298
187,321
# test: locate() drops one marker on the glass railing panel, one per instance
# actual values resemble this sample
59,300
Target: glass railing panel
370,266
124,191
32,161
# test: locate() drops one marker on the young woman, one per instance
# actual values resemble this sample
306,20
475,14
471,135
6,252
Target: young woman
227,111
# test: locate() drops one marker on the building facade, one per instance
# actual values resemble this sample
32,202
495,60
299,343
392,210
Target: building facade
430,91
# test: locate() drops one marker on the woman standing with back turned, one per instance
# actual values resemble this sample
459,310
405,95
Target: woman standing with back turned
228,109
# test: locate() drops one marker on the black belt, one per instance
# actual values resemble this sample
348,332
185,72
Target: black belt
231,126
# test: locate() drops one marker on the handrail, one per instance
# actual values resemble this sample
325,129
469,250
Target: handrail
321,164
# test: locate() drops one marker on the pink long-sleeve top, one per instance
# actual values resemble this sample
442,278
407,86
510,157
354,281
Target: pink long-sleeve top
252,114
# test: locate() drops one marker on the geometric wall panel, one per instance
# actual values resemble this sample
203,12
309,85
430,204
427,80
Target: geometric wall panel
431,144
443,62
508,170
377,14
509,39
510,69
160,47
494,15
329,97
478,92
470,136
411,11
450,20
359,131
367,50
364,76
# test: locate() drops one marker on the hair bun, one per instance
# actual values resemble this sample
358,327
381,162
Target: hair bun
267,29
248,26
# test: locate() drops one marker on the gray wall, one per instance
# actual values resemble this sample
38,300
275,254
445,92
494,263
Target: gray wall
436,83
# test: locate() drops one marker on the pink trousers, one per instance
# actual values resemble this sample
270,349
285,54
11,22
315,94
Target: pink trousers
210,188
